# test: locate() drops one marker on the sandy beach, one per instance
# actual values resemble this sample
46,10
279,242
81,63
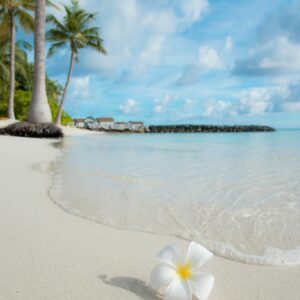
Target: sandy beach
47,253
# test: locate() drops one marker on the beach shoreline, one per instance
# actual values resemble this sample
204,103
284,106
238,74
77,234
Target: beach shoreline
47,253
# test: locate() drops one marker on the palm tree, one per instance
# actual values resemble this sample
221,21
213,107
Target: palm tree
4,67
54,89
13,12
20,61
39,110
4,70
75,33
20,58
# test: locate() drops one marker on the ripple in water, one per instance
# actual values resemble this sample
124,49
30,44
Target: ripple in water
237,194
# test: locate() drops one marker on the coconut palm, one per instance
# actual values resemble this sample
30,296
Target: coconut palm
20,58
13,13
75,33
4,69
4,66
20,61
39,110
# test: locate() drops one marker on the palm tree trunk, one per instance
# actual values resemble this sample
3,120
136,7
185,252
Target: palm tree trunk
39,110
11,112
59,111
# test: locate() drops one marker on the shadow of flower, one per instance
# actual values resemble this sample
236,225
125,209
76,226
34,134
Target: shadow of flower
133,285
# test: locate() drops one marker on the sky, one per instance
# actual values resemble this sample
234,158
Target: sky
189,61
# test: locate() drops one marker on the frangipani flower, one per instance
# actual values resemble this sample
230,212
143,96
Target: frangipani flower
182,277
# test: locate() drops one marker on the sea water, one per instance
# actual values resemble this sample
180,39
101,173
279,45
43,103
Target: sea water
238,194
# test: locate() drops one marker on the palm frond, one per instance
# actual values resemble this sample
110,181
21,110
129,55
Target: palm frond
97,46
25,20
20,68
51,4
91,30
27,4
75,29
53,20
4,70
55,47
24,45
54,35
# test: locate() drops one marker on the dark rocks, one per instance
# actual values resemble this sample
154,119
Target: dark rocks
207,128
26,129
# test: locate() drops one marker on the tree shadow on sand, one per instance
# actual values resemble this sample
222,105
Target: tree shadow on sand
133,285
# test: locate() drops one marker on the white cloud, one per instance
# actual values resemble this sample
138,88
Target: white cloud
80,87
130,106
275,58
149,56
218,108
228,43
136,33
193,9
160,105
276,51
257,101
208,59
188,105
291,106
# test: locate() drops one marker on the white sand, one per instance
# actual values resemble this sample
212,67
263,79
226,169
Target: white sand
7,122
72,131
46,253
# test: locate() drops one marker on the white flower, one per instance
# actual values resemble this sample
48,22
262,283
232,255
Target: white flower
182,277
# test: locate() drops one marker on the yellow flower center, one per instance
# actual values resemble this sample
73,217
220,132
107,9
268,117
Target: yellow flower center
184,271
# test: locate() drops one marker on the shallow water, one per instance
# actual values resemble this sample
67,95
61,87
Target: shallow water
238,194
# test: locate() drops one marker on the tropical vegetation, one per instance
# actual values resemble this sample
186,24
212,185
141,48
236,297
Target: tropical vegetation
26,92
24,83
23,93
12,14
75,33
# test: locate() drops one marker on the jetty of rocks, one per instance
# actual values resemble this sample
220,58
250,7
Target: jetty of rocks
206,128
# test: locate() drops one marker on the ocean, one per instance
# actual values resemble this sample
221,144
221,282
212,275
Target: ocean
238,194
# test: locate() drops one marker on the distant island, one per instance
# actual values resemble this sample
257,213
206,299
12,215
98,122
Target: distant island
107,124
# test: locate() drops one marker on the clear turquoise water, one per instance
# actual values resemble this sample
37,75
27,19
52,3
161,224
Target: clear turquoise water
238,194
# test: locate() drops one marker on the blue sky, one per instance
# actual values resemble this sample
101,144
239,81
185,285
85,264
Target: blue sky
190,61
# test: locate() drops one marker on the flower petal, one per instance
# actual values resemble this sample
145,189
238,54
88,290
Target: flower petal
162,275
197,255
179,290
170,255
202,284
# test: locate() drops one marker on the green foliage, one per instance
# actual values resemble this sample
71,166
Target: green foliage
22,101
65,119
24,83
74,32
20,11
20,58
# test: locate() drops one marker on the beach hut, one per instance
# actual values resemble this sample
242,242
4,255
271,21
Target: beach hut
136,125
105,123
90,123
79,122
120,126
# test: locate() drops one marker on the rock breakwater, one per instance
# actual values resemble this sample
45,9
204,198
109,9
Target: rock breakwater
207,128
